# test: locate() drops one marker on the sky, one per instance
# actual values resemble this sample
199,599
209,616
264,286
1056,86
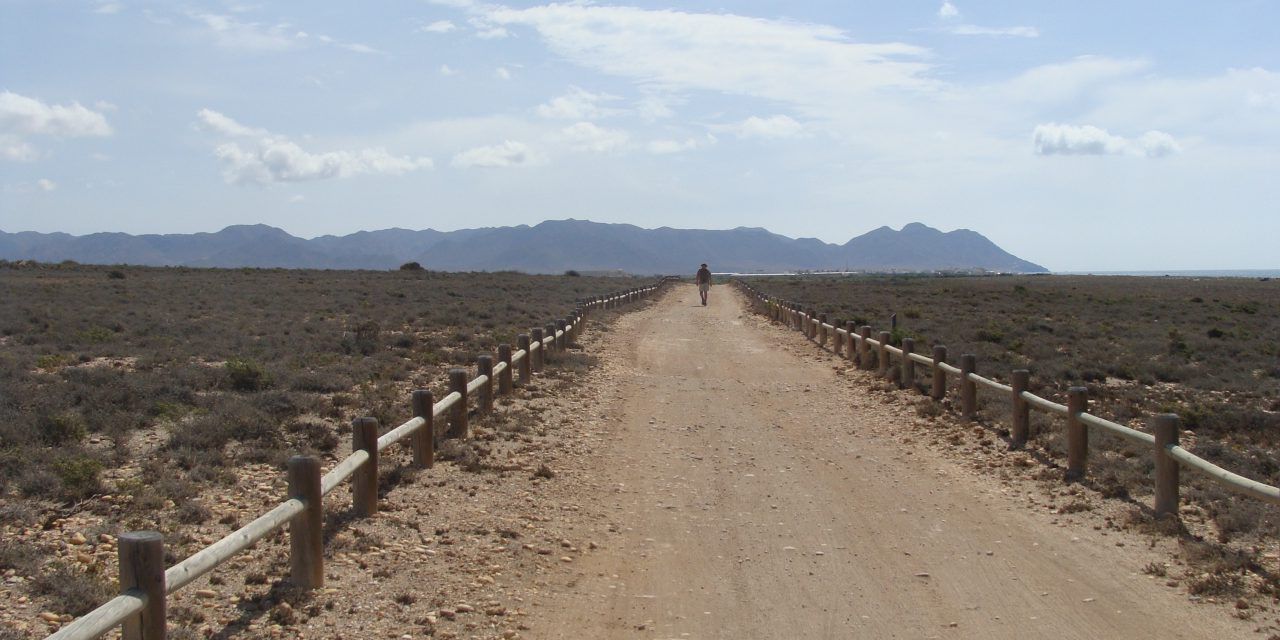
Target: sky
1081,135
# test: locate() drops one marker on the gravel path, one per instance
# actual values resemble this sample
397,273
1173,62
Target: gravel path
753,488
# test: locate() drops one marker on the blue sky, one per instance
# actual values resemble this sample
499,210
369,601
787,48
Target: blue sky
1079,135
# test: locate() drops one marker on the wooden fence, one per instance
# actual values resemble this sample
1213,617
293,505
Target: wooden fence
144,580
856,344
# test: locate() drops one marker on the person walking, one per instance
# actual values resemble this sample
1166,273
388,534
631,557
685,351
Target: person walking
704,282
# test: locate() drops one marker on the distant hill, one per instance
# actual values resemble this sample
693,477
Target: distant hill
553,246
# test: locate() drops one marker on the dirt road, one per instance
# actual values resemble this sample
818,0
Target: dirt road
754,489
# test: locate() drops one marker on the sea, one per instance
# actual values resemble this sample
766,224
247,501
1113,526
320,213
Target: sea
1171,273
1178,273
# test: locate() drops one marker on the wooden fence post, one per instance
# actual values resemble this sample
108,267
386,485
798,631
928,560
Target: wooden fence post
537,356
822,329
458,418
864,349
562,343
306,530
907,376
484,399
504,378
968,388
1077,432
525,367
939,388
1166,427
142,569
882,358
364,483
1020,381
423,441
554,344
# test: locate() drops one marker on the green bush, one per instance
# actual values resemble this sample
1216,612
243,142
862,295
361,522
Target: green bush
96,334
79,476
246,375
51,361
62,428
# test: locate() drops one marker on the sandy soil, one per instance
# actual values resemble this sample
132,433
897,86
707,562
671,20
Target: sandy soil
712,476
758,490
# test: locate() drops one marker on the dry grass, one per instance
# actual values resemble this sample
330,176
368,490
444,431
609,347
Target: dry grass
186,375
1206,349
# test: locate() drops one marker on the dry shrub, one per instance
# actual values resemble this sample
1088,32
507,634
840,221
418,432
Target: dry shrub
71,590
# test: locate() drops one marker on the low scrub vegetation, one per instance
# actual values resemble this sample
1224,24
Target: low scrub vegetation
156,384
1206,349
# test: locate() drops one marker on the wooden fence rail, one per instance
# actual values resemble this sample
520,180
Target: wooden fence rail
145,583
1167,455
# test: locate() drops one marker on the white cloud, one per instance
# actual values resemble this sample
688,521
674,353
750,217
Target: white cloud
674,50
22,117
651,107
578,104
1157,144
46,185
226,126
360,48
297,198
230,33
1065,81
665,147
439,26
975,30
280,160
1061,139
1057,139
1230,107
508,154
502,73
265,158
487,30
446,70
586,136
948,12
14,149
108,8
778,126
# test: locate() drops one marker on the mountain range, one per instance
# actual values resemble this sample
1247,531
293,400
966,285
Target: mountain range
553,246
